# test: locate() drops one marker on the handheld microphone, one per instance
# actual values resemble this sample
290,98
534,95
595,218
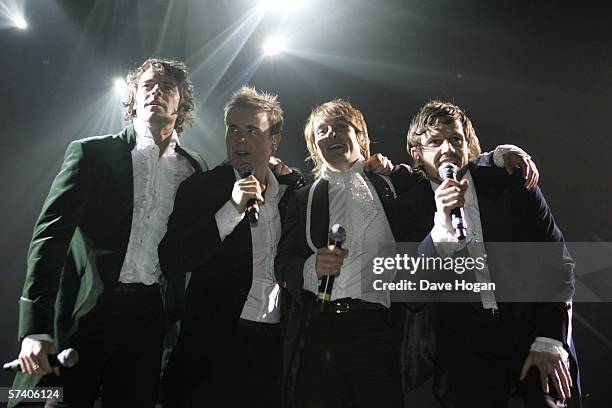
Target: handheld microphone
67,358
336,237
449,171
252,208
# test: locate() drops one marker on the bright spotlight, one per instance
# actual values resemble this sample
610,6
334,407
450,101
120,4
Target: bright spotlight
274,45
120,85
20,22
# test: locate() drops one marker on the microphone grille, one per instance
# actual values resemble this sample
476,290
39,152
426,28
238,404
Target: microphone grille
337,233
245,170
448,171
68,358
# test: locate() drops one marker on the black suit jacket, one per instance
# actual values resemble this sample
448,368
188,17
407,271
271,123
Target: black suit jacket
221,270
508,213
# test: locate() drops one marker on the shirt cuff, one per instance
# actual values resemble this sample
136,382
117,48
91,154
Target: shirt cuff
501,150
311,280
39,337
443,238
227,219
548,345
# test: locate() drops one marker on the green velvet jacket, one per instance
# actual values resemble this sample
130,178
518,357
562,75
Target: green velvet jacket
81,238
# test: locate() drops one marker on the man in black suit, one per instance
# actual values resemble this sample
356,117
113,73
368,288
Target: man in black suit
93,278
487,346
229,347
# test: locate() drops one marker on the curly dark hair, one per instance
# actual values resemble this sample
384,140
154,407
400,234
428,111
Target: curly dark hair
174,69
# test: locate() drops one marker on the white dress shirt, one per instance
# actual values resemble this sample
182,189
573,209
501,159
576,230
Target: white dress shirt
446,243
156,180
354,204
263,301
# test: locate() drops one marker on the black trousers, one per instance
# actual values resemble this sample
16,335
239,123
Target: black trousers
119,346
349,360
245,371
484,355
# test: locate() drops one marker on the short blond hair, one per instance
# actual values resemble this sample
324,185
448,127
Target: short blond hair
337,108
248,97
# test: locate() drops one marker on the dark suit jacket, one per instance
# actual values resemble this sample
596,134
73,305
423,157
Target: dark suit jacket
81,237
221,270
508,213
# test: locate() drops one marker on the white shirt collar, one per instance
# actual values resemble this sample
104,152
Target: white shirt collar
143,132
335,176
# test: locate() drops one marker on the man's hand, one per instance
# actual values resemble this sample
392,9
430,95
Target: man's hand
550,365
278,167
33,357
329,261
519,158
244,190
449,195
379,164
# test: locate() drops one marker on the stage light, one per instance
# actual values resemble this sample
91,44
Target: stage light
12,14
120,86
20,22
274,45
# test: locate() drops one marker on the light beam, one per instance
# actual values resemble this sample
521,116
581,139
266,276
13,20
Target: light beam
274,45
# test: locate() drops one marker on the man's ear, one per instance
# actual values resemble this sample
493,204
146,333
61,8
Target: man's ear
415,154
276,139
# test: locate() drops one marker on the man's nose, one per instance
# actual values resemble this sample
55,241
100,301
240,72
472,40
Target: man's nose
156,89
447,146
330,131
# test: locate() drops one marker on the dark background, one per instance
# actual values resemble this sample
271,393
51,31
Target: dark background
533,73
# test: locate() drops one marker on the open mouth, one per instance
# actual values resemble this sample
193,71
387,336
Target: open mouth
241,153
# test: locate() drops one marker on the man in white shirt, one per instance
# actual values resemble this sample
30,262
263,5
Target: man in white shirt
489,345
93,279
347,354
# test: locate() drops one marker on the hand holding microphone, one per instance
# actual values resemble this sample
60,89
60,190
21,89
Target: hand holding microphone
329,261
450,199
247,193
37,357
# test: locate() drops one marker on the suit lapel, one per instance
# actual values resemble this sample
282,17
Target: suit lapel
319,214
494,204
125,172
191,158
424,204
385,195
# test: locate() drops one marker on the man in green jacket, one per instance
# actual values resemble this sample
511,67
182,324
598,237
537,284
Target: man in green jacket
93,276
